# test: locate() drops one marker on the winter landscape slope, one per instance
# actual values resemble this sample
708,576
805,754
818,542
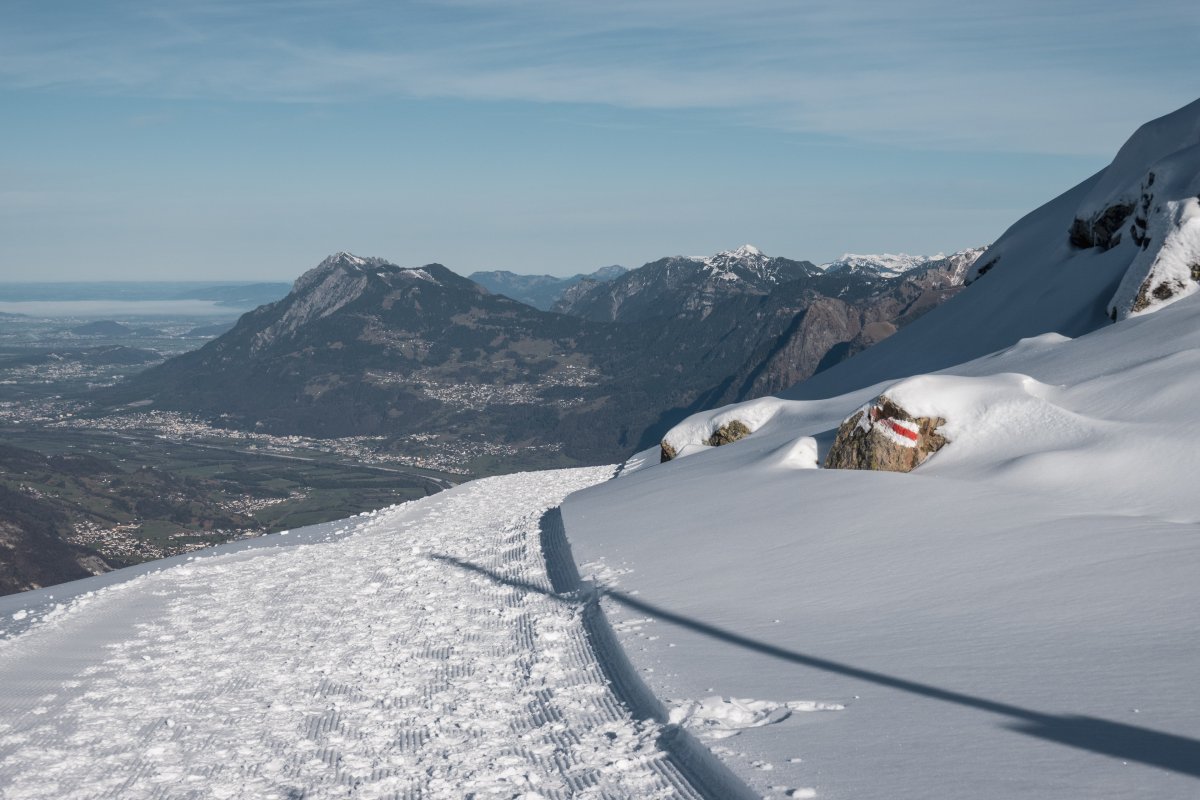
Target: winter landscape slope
1013,618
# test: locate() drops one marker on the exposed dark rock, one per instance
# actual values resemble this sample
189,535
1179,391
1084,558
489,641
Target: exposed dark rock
983,270
1103,231
728,433
883,436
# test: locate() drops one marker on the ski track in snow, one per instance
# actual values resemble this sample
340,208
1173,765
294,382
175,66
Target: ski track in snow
361,667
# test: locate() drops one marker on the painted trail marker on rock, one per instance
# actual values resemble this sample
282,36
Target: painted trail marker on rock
883,436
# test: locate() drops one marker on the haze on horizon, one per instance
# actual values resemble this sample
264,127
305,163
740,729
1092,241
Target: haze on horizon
228,141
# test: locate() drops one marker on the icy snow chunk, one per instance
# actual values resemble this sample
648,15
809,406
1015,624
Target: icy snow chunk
719,717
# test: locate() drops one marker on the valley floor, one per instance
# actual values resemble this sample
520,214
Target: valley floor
418,651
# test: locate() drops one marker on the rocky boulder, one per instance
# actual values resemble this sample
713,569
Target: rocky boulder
883,436
726,434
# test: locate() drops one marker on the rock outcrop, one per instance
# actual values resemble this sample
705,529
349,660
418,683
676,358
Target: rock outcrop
1103,230
728,433
883,436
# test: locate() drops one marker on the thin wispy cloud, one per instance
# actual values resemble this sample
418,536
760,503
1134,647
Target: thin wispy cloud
1018,76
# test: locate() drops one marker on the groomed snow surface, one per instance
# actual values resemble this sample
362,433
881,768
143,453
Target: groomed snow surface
414,652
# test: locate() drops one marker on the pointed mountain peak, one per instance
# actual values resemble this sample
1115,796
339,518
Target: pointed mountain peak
343,259
746,252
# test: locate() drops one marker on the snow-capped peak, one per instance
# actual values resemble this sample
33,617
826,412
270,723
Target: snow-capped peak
746,252
343,259
885,264
747,257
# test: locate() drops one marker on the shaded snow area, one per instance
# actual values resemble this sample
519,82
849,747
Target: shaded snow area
413,652
1015,618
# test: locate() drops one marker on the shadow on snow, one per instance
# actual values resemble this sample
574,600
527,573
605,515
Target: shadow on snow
1119,740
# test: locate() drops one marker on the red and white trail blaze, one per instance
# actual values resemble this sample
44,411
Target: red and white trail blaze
902,428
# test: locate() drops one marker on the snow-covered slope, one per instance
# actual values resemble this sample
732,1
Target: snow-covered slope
1014,618
1123,242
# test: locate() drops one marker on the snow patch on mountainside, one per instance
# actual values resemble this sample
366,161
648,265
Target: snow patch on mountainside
747,260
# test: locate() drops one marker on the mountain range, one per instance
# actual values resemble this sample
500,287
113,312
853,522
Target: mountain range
361,346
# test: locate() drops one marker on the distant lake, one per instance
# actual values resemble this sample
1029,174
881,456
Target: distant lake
109,309
105,299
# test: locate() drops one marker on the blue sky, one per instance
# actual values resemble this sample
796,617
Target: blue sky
214,139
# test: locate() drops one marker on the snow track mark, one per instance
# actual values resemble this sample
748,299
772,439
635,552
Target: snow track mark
360,667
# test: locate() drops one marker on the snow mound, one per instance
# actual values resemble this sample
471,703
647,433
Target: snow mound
969,403
691,436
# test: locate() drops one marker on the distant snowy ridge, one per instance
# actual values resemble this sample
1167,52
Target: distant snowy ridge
883,263
747,257
891,265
